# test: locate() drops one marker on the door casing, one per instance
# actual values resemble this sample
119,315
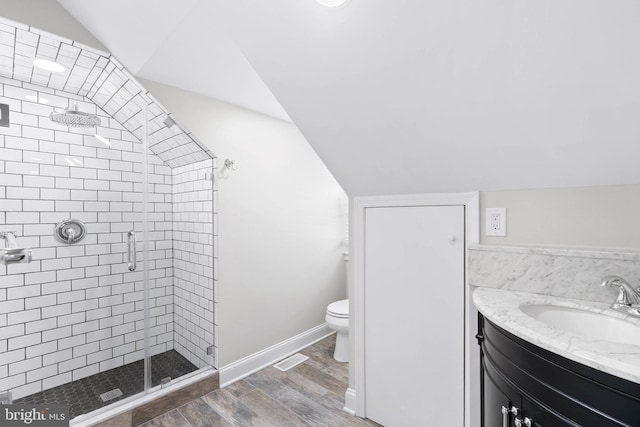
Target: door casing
472,236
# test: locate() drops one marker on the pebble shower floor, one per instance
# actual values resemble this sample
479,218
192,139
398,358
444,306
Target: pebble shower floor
83,396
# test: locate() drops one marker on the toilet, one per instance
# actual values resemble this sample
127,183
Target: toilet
338,319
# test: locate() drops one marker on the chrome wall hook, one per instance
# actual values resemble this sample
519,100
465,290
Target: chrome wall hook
230,164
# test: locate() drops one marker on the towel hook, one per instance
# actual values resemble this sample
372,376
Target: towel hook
230,164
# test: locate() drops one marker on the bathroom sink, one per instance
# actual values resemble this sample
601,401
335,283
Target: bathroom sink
586,323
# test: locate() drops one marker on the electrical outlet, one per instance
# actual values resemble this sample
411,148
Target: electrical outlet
495,222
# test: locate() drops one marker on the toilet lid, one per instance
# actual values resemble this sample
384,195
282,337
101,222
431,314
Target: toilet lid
339,308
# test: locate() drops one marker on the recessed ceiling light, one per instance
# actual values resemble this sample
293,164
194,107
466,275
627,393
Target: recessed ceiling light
45,64
332,3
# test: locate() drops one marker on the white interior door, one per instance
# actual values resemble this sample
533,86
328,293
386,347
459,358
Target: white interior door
414,316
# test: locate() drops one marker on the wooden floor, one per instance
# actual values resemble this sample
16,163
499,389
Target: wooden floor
310,394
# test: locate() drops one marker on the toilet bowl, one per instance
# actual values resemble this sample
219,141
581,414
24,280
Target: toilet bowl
338,319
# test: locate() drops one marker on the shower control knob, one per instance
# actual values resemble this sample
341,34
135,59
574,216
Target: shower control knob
70,231
71,235
452,239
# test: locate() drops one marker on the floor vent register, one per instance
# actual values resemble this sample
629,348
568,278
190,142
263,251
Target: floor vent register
290,362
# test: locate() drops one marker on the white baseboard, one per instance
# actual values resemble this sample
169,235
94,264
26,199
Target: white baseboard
350,401
248,365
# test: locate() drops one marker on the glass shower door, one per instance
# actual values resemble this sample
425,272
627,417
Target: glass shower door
71,319
122,300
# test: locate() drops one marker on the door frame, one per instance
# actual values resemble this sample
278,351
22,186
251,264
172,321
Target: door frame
471,202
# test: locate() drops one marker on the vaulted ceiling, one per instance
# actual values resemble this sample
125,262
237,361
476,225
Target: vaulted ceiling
177,43
410,96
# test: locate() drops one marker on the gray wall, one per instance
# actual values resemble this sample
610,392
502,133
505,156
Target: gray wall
281,224
604,216
50,16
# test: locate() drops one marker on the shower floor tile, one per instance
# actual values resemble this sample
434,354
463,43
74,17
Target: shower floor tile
83,396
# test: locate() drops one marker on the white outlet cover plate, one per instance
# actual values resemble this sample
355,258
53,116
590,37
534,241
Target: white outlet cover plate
490,228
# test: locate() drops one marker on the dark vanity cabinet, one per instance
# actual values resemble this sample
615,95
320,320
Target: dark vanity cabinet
525,385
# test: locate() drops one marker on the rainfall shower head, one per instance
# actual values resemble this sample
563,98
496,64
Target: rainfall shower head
73,118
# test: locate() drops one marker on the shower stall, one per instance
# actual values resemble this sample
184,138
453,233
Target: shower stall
107,210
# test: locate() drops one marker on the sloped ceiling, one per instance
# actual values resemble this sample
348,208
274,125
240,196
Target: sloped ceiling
411,96
176,43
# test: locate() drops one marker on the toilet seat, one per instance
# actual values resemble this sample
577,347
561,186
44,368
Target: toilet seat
339,309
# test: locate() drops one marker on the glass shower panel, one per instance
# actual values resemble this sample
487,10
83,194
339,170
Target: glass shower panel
193,192
180,213
122,299
71,319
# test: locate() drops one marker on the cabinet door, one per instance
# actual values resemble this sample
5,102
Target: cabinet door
544,417
493,402
495,396
551,391
414,316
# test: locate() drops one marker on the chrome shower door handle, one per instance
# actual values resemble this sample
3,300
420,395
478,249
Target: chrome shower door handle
131,259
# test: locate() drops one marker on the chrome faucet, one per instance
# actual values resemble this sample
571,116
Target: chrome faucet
11,253
628,300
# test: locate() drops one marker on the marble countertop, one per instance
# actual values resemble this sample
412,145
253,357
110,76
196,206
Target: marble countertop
502,307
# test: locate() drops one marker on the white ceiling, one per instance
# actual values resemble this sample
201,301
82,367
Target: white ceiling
410,96
179,44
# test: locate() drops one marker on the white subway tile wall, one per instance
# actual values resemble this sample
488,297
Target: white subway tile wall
95,75
77,310
193,261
